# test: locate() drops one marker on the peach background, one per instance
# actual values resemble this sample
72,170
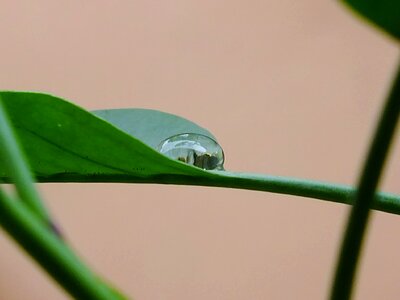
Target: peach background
289,88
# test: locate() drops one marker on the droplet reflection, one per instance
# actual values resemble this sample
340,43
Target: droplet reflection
194,149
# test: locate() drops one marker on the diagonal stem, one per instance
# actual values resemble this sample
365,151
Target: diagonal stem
27,222
16,164
358,219
51,253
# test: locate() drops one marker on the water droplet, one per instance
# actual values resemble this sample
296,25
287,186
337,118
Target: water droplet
194,149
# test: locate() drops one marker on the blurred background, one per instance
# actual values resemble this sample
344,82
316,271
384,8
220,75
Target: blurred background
288,87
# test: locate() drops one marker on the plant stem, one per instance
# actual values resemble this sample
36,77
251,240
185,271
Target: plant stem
50,252
358,219
385,202
27,222
17,166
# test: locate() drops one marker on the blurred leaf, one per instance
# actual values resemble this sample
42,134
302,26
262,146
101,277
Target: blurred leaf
65,143
383,13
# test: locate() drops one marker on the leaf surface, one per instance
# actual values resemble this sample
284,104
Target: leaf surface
65,143
150,126
62,138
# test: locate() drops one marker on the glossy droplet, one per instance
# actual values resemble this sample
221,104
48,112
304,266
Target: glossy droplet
194,149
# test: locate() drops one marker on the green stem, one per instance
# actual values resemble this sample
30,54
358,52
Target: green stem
27,222
17,167
358,219
385,202
50,252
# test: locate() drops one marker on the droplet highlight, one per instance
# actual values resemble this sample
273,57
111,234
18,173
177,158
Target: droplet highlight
194,149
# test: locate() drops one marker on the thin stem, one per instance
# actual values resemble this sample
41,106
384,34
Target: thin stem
51,253
385,202
17,167
358,219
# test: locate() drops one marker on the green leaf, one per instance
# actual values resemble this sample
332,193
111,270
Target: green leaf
150,126
383,13
62,139
65,143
